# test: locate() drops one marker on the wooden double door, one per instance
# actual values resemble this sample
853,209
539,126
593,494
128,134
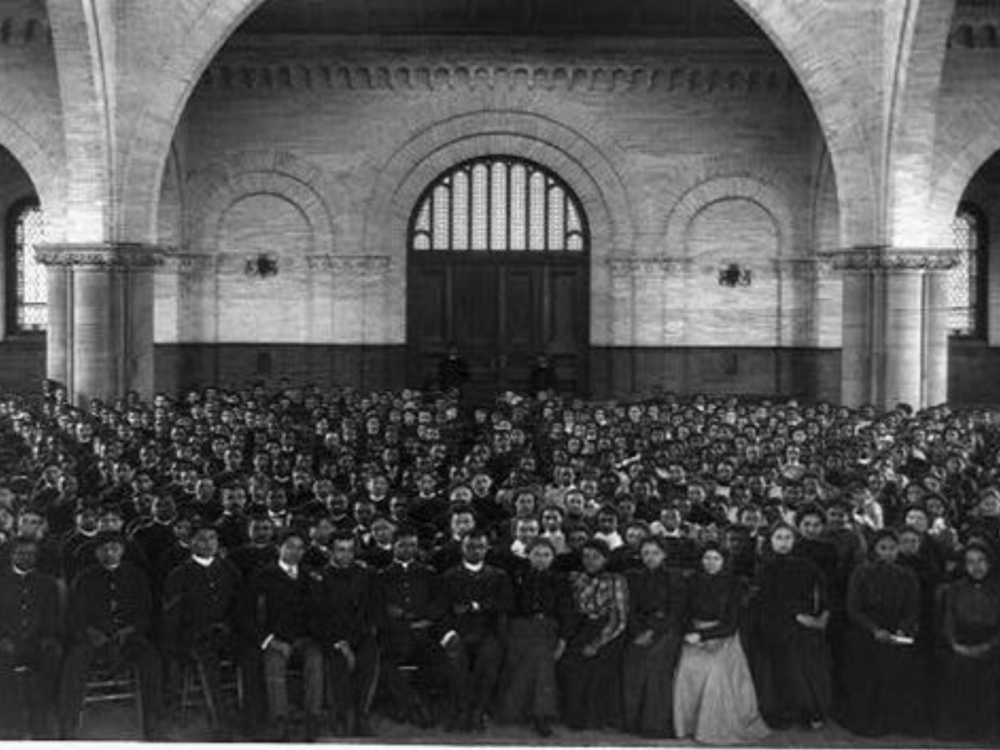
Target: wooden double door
501,311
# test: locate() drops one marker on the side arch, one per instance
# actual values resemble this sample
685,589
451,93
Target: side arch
285,175
718,189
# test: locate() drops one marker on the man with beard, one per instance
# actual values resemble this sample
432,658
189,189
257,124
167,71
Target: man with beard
259,549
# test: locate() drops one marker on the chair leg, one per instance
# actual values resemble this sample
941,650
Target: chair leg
213,710
140,709
185,682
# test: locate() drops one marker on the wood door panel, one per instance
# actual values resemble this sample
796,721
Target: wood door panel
501,312
475,316
565,311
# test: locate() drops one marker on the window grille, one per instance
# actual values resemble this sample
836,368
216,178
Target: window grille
963,282
29,288
499,204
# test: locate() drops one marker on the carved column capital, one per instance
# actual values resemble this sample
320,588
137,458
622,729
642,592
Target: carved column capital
888,258
114,256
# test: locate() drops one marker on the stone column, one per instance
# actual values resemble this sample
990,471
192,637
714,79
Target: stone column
894,346
58,340
904,337
936,337
107,339
858,363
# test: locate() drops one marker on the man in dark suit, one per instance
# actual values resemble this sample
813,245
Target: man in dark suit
341,608
274,611
110,619
476,597
199,604
408,615
29,636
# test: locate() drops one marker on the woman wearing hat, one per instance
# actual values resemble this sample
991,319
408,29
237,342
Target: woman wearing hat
590,669
714,697
970,660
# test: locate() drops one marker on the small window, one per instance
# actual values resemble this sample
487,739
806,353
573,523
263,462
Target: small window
965,297
27,291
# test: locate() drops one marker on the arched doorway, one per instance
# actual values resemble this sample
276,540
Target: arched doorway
498,259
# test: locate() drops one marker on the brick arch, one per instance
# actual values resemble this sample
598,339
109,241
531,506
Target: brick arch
41,167
223,184
957,168
184,51
912,119
572,156
717,189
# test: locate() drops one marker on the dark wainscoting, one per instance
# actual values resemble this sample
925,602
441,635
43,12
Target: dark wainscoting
973,372
180,366
806,373
22,364
615,372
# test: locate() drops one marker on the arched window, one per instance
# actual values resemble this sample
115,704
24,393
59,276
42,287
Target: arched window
966,282
498,204
27,292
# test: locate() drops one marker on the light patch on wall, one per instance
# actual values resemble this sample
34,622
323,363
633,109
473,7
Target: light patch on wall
741,231
254,309
268,224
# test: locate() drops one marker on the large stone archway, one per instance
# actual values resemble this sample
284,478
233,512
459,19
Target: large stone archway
189,36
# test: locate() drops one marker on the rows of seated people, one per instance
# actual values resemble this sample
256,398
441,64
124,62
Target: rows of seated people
712,568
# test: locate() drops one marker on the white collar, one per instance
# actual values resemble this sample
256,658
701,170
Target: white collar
404,565
292,571
203,561
20,573
473,568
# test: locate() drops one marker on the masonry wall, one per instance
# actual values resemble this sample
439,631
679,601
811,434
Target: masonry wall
708,158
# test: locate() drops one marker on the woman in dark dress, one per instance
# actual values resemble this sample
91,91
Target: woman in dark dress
656,605
883,664
970,659
543,609
714,698
793,674
914,553
591,667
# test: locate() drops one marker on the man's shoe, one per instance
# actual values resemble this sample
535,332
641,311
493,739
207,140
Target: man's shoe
542,728
362,727
420,716
312,728
466,722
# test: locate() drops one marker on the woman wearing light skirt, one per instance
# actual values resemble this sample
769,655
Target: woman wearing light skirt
714,697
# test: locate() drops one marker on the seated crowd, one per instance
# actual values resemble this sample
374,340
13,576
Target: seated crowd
711,568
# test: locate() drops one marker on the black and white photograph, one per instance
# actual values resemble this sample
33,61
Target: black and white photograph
457,373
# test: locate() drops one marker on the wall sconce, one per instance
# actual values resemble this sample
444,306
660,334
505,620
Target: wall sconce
733,276
262,266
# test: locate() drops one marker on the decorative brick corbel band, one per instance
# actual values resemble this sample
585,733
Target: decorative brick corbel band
887,258
105,255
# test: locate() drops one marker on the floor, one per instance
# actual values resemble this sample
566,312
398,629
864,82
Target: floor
118,723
